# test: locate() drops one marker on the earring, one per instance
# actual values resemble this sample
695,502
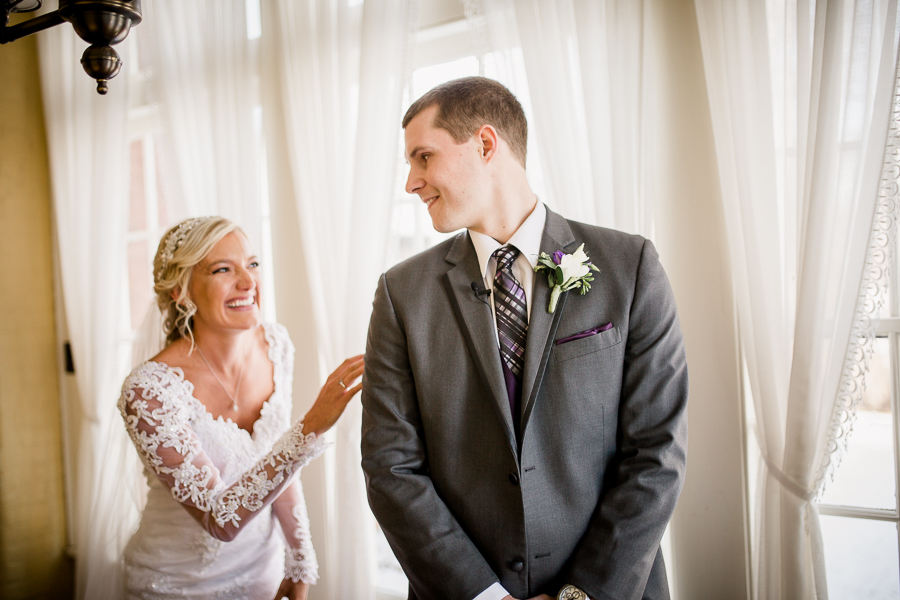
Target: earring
190,306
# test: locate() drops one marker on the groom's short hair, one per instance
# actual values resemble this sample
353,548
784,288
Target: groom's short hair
466,104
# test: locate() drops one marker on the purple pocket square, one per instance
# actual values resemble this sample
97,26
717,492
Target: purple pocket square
584,334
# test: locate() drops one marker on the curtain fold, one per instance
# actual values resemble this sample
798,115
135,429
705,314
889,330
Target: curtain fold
800,95
88,150
202,76
203,80
334,85
587,73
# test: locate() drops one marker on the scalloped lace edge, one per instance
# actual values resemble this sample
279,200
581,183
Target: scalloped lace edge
870,301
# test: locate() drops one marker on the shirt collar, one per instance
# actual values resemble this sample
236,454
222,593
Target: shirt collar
527,239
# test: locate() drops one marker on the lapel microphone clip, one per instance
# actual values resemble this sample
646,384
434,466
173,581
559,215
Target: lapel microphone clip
480,290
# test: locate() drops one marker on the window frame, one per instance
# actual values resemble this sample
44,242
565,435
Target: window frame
889,327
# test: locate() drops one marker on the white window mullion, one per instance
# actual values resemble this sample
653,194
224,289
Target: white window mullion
894,309
150,187
874,514
888,325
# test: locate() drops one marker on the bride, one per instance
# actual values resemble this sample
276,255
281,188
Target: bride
210,418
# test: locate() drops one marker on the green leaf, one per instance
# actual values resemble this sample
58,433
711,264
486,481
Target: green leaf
551,278
545,263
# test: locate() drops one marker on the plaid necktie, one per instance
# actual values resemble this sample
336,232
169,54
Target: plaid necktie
512,323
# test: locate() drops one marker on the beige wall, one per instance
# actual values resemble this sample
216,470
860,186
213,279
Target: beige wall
32,516
709,540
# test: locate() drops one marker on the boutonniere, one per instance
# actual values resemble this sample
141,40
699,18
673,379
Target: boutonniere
566,272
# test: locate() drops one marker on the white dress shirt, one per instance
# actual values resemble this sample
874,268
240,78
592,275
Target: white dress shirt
527,239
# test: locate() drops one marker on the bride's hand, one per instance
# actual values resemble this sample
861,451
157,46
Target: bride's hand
334,396
291,590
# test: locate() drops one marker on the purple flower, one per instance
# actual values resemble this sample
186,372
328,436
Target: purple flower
557,256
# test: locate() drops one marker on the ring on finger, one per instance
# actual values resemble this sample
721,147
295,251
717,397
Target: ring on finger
341,383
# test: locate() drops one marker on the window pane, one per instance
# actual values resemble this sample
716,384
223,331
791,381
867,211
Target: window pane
428,77
860,559
390,580
254,20
865,476
137,214
411,228
158,190
139,281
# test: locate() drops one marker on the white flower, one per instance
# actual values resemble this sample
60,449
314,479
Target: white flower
579,254
573,266
566,272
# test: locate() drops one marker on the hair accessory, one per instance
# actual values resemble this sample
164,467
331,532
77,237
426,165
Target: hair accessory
174,240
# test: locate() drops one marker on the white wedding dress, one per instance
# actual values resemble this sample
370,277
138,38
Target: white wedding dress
243,487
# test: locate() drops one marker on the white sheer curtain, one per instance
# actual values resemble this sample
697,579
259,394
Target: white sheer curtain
800,94
203,79
88,150
338,70
587,79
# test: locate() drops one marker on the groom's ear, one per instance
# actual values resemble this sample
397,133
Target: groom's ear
489,142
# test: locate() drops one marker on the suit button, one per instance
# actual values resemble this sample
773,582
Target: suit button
517,566
514,479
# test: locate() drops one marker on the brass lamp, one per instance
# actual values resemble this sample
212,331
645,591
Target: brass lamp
101,23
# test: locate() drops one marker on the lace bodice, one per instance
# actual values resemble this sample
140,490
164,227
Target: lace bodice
221,474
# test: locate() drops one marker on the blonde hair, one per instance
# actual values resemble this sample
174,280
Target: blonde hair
182,248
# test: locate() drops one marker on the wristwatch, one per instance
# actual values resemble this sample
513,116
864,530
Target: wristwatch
570,592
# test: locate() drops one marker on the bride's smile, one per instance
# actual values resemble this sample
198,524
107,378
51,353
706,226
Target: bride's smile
226,285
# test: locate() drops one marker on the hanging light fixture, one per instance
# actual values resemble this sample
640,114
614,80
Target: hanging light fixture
101,23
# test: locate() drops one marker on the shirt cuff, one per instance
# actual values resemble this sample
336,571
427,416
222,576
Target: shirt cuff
495,592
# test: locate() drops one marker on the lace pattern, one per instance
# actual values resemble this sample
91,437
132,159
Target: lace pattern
291,453
300,562
156,419
206,549
162,417
870,301
153,586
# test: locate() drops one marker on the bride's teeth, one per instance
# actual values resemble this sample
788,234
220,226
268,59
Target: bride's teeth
238,303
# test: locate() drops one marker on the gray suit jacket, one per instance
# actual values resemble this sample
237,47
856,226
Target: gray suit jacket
585,497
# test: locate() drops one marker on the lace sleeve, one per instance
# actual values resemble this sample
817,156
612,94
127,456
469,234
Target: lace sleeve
158,422
300,562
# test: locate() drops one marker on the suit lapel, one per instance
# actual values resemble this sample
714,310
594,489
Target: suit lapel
541,324
476,323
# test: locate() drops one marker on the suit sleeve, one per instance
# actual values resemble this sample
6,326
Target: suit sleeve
439,559
617,552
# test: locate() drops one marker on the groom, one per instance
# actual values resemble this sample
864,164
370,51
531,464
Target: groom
510,451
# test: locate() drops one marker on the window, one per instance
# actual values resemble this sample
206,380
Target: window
150,214
411,229
446,52
859,511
